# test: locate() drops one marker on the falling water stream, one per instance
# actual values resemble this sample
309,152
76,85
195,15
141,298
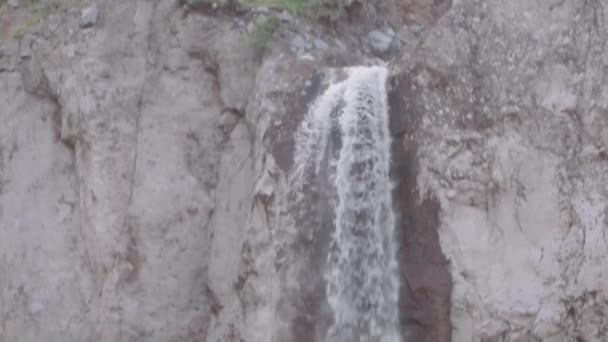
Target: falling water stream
361,275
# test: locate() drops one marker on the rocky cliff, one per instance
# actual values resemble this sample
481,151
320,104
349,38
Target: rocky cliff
147,153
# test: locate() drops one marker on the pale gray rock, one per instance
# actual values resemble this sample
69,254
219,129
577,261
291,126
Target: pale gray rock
298,44
508,141
45,280
416,28
321,44
88,16
380,41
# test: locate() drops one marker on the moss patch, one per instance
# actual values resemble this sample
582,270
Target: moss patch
263,33
291,5
36,12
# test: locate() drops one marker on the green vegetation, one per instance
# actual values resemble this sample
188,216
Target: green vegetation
195,3
210,3
38,10
329,10
291,5
264,32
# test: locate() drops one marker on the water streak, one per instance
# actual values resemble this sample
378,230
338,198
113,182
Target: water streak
361,275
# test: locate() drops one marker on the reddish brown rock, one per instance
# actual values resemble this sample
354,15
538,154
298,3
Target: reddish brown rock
426,283
422,12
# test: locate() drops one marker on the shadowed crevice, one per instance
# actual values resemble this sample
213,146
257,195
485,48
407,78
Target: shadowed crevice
426,283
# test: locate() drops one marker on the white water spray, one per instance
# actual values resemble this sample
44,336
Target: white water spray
362,280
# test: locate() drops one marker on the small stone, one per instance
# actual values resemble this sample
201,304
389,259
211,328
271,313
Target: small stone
105,74
451,193
88,17
251,27
321,44
13,3
285,17
228,120
298,44
380,42
416,28
239,22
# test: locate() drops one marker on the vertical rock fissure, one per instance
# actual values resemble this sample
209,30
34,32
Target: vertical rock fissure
425,278
361,269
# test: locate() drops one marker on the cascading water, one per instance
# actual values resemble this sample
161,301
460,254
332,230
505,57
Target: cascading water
361,276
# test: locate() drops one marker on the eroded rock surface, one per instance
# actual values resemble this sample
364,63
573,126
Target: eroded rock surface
145,161
513,129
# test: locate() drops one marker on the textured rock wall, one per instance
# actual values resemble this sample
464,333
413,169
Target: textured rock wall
511,142
124,138
144,168
152,147
45,286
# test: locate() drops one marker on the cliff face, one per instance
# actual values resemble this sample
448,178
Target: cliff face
146,153
506,107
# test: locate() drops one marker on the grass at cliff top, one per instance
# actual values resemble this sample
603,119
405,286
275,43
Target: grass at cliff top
292,5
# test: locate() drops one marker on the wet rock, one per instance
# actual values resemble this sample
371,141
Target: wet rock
426,282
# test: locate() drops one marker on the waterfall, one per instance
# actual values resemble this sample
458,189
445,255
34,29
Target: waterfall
361,271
